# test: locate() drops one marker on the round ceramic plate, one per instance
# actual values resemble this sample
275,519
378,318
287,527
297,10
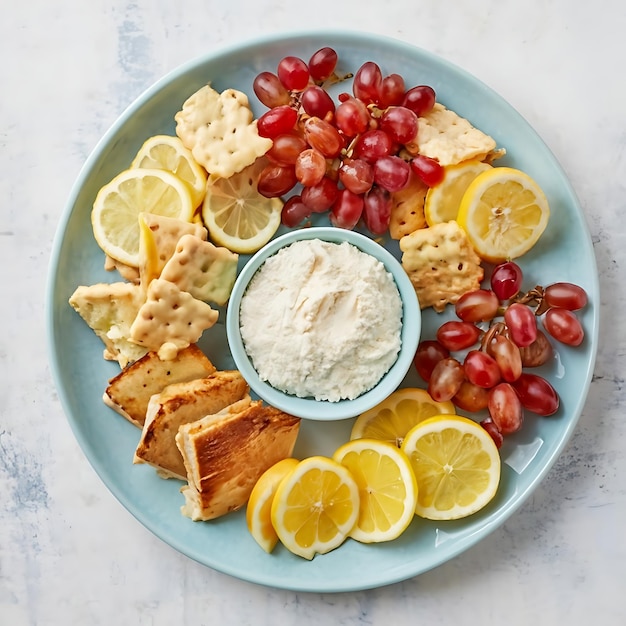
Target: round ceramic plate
563,253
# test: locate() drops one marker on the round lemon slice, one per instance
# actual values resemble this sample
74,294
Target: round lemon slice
259,509
456,464
166,152
503,212
387,488
315,507
237,216
114,217
443,200
392,419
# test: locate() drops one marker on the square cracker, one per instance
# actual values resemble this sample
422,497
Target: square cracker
407,210
220,130
202,269
441,264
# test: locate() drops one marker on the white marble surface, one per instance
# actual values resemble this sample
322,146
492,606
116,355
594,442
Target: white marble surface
69,552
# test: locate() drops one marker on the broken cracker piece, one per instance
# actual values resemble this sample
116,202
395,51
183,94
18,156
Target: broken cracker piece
170,317
220,130
407,211
441,264
207,272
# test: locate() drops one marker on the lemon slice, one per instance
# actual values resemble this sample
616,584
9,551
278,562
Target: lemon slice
237,216
443,200
258,511
387,488
456,464
165,152
503,212
114,217
392,419
315,507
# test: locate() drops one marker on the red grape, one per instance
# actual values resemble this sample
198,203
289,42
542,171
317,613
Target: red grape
420,99
352,117
505,408
427,169
522,324
400,124
367,83
471,397
446,379
293,73
391,91
506,280
320,197
536,394
310,167
324,137
377,210
269,90
480,305
457,335
564,326
277,121
322,64
286,148
356,175
481,369
316,102
373,145
276,180
428,354
489,425
347,209
391,173
565,295
538,352
507,356
294,212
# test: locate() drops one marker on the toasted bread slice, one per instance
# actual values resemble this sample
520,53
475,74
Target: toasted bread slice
129,392
182,403
225,454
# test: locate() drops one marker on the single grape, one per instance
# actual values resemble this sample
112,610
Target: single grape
480,305
367,83
505,409
506,280
276,180
323,136
310,167
294,212
538,352
428,170
356,175
446,379
392,173
352,117
372,145
277,121
322,64
536,394
391,91
320,197
564,326
566,296
489,425
293,73
286,148
522,324
428,354
270,91
457,336
420,99
377,210
316,102
471,397
400,124
507,356
347,209
481,369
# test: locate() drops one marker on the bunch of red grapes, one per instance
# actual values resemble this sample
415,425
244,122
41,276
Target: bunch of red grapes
489,372
348,157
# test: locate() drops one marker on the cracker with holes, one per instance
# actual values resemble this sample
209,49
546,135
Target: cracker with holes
220,130
202,269
170,319
407,210
445,136
441,264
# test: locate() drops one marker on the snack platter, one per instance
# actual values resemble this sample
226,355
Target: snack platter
563,253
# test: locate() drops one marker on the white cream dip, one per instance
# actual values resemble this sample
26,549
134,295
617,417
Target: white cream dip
322,319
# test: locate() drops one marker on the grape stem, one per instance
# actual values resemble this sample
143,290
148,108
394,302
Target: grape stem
534,297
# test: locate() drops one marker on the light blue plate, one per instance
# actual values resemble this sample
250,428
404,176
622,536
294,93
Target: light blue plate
564,253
